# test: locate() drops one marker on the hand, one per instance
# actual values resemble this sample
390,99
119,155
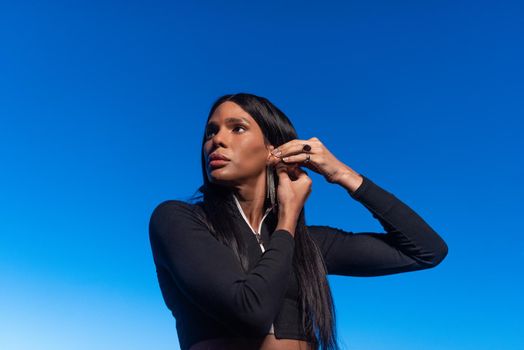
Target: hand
294,187
321,160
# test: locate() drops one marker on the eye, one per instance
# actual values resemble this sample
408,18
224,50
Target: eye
208,133
211,131
239,126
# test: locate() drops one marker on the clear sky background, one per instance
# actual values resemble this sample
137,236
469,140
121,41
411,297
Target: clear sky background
102,108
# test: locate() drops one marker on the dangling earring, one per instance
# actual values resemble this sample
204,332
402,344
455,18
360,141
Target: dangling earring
270,185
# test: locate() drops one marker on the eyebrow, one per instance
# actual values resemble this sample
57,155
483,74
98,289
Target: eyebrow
233,120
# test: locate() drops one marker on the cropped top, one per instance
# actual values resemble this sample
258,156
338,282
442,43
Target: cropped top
210,296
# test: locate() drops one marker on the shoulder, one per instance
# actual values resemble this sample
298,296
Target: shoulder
322,230
169,206
176,212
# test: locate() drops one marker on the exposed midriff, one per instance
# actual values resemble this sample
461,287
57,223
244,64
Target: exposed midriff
269,342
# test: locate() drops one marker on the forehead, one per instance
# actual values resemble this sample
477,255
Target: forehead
230,112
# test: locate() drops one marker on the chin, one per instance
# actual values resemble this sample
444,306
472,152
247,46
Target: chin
221,179
216,176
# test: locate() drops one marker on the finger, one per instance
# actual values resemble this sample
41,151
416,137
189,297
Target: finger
293,173
298,147
290,170
296,158
295,170
282,172
300,171
289,148
301,175
274,160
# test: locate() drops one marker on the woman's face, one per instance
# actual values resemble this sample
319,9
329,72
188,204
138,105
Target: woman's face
234,134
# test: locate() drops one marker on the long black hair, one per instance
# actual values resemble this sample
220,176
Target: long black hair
318,316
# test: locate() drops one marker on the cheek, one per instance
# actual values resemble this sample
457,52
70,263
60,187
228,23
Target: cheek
252,155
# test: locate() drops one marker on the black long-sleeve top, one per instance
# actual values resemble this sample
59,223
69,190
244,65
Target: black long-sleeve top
210,296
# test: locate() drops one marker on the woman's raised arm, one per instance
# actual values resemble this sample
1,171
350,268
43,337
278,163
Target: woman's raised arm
408,244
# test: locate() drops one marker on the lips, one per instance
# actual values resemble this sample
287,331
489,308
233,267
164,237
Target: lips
217,160
217,156
217,163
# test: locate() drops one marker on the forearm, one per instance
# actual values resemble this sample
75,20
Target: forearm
287,222
406,230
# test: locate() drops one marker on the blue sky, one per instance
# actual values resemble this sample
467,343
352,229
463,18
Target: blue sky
102,107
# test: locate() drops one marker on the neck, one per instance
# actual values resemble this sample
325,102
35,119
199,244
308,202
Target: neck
251,197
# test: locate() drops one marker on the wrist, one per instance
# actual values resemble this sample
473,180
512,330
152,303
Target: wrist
335,174
287,222
349,179
289,228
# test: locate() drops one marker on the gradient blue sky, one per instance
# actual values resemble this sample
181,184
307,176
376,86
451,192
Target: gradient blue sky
102,108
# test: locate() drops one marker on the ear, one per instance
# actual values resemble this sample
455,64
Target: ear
270,158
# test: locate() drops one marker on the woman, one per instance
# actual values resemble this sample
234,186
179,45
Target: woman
240,269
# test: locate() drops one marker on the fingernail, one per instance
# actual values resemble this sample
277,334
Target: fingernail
276,152
285,159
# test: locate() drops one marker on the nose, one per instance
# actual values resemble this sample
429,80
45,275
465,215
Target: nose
217,141
218,138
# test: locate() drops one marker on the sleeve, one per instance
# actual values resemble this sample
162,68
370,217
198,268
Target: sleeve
208,273
408,244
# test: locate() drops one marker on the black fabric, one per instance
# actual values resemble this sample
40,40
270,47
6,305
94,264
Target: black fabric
210,296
